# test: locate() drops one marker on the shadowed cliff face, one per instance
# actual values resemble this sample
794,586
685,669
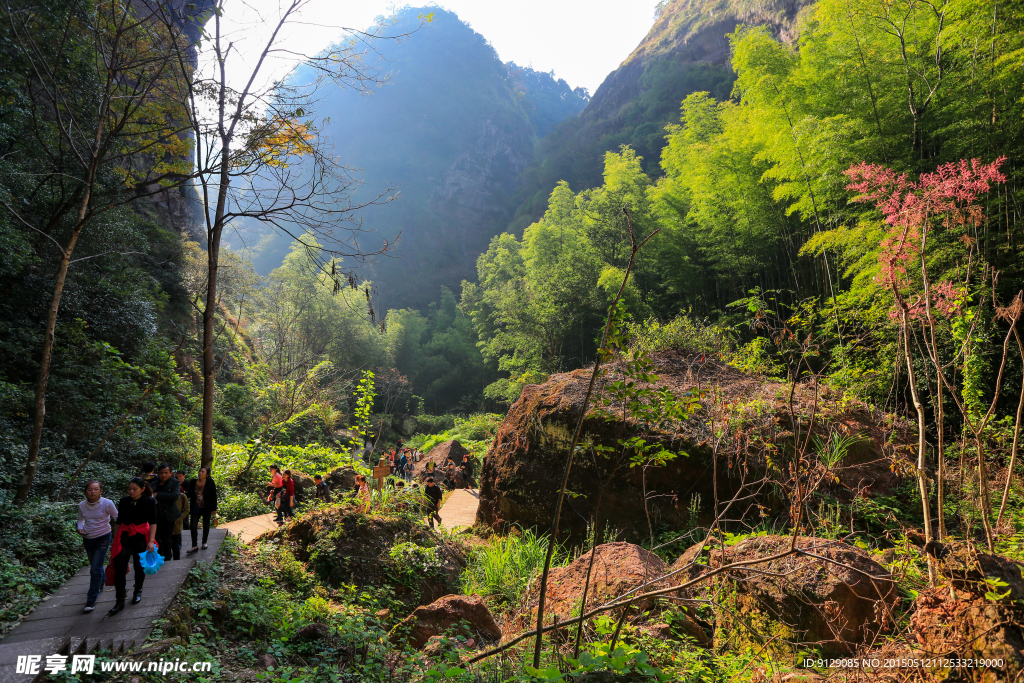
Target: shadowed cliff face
178,208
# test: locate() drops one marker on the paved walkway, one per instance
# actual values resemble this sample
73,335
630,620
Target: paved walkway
58,625
248,529
460,508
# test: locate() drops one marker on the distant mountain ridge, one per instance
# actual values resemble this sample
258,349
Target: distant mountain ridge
475,146
685,51
452,130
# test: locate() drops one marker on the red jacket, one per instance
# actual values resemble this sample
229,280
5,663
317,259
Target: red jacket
289,487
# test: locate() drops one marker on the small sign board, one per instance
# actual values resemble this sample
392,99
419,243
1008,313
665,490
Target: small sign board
380,473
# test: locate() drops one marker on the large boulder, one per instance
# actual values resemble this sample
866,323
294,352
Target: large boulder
521,475
404,424
971,618
447,449
618,568
342,479
457,614
305,487
830,595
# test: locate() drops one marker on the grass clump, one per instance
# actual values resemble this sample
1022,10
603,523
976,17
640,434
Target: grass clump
503,568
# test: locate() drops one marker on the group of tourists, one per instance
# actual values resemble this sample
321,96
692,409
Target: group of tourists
432,494
402,461
451,475
150,518
282,492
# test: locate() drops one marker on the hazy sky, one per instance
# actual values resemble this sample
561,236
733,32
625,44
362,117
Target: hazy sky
581,40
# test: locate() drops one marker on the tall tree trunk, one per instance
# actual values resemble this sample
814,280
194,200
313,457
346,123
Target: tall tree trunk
922,444
210,310
39,403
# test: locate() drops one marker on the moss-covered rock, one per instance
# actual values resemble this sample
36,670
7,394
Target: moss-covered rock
522,471
341,547
828,595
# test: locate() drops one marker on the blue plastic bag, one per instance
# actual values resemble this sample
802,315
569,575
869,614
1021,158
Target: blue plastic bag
151,561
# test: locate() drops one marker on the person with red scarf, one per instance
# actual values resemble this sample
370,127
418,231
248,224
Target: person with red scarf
134,533
287,498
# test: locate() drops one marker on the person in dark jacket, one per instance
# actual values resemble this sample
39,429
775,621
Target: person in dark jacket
182,506
202,498
433,494
323,491
166,492
134,533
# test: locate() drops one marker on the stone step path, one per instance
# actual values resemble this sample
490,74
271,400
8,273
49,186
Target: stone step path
58,625
460,509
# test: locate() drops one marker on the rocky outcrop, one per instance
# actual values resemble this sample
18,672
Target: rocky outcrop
618,569
451,615
448,449
483,176
830,595
345,547
342,479
685,51
521,473
976,616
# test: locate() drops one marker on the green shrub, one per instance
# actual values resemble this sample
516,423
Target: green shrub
682,333
474,433
755,358
233,504
41,550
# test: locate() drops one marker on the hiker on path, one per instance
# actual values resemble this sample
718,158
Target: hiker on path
430,467
363,493
166,492
323,491
202,498
467,472
134,533
287,497
95,514
434,495
182,506
277,484
400,464
449,478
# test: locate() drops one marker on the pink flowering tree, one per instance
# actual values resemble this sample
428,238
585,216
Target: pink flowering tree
947,200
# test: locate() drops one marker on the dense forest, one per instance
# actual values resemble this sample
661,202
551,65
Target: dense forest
828,196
